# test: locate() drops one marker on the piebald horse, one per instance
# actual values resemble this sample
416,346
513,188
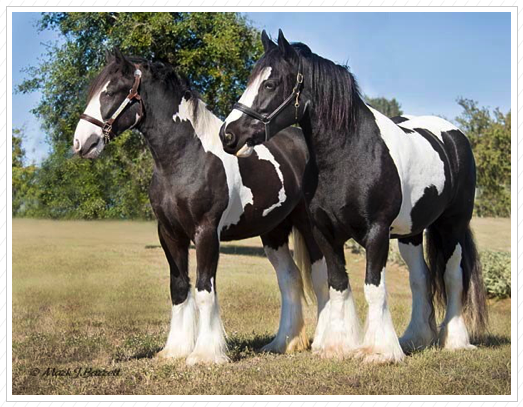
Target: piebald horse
372,179
201,194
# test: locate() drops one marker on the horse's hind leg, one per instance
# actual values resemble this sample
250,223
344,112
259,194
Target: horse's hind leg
449,236
311,262
291,334
421,331
210,346
182,334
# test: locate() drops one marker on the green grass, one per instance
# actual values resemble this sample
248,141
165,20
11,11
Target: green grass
96,294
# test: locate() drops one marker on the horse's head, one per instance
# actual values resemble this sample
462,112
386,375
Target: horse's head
113,106
272,101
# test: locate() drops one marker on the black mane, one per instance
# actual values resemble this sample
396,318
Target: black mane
333,87
162,73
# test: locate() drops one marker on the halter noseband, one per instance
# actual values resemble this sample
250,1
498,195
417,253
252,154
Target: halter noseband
267,118
107,126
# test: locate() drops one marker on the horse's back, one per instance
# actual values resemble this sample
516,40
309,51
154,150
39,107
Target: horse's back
447,177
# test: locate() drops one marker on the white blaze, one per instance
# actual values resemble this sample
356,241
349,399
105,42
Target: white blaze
250,94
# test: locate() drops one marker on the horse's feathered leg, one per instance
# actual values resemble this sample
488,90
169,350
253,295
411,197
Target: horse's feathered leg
380,343
182,334
210,346
421,331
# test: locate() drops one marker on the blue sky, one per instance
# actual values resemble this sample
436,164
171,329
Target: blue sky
424,60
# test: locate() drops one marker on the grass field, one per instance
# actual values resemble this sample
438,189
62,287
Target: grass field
96,295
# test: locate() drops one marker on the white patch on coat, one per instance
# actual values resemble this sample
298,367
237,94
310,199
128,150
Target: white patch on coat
342,335
380,343
453,334
418,333
85,129
211,346
291,331
182,335
207,128
436,125
419,166
249,95
264,154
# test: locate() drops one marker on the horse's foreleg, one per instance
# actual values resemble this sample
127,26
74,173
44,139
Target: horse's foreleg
210,346
341,330
380,343
182,334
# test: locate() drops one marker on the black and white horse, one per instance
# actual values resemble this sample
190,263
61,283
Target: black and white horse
375,179
201,194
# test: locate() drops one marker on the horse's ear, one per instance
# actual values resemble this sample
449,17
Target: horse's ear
118,56
286,48
267,42
108,56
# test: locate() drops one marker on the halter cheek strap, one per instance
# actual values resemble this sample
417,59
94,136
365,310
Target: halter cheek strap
107,126
267,118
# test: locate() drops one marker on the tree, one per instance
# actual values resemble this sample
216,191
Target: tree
216,51
490,136
389,107
22,177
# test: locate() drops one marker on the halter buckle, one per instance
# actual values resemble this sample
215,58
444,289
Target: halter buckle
106,130
299,78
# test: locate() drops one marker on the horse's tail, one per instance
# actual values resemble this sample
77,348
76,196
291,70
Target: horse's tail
473,296
302,260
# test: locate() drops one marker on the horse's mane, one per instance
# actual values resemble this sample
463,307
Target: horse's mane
161,72
333,87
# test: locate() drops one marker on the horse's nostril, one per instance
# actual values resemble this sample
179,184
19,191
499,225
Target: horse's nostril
76,144
228,138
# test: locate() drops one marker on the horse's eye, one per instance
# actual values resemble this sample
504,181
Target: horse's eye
269,85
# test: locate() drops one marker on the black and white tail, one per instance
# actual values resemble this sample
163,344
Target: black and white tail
473,295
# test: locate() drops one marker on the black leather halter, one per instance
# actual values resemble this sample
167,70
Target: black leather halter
107,126
267,118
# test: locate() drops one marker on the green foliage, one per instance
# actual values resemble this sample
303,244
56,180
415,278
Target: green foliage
389,107
496,273
489,135
216,51
22,177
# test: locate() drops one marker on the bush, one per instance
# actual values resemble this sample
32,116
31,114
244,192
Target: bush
496,273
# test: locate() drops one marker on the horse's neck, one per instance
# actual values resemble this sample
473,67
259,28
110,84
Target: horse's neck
178,142
322,138
205,124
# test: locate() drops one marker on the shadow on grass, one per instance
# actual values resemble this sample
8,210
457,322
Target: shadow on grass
493,341
487,341
149,353
229,249
243,348
239,348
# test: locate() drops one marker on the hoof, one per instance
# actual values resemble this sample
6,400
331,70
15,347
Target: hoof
206,359
284,345
169,353
371,356
467,346
409,344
